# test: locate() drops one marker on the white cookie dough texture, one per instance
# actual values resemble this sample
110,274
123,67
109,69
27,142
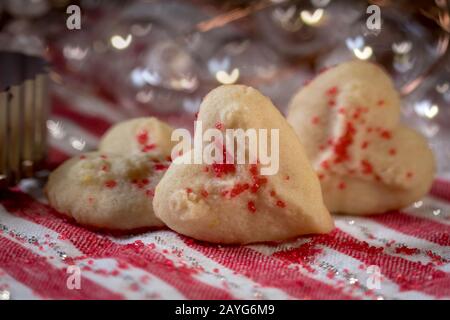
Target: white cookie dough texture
138,136
114,188
107,191
234,203
367,161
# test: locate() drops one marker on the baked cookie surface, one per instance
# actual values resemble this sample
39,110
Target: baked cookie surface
146,135
235,203
106,190
367,161
114,188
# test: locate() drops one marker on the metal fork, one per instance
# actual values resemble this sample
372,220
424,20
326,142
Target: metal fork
23,115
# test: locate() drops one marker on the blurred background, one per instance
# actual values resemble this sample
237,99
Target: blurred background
134,58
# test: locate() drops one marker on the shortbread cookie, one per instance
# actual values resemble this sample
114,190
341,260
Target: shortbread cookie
138,136
234,203
348,120
107,191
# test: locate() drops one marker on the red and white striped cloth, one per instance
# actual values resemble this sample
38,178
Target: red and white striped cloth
409,249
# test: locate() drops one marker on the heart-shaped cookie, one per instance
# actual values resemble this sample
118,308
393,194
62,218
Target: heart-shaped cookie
146,135
367,162
235,203
107,191
114,188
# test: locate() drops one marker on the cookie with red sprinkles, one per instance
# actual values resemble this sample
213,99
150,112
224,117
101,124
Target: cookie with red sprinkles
107,191
234,202
146,135
367,161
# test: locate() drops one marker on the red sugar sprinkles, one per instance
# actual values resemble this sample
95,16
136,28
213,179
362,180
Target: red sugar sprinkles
343,143
110,184
315,120
367,167
219,126
332,91
223,168
254,186
204,193
281,204
143,139
355,121
160,167
251,206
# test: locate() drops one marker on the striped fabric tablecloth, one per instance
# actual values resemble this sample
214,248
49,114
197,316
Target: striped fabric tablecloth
398,255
